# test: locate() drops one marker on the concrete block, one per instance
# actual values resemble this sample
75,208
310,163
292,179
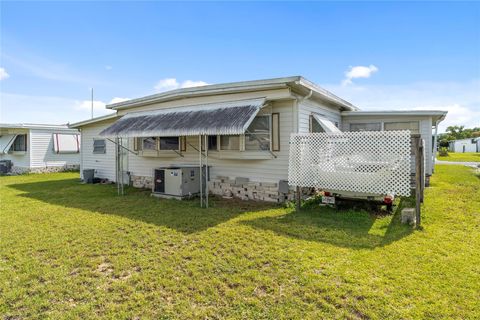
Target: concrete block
408,216
240,180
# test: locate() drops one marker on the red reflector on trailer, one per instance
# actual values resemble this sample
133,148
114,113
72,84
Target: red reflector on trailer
388,200
327,194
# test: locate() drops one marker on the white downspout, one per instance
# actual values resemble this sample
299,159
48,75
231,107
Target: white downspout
297,111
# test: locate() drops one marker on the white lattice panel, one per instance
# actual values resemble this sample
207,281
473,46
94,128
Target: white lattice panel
376,162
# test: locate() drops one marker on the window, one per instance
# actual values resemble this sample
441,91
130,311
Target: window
257,136
149,143
229,142
212,143
315,126
99,146
170,143
376,126
20,143
413,126
66,143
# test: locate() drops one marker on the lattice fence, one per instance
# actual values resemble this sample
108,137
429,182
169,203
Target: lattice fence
375,162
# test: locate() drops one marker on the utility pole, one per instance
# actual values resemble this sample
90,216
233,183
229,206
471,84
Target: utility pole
92,102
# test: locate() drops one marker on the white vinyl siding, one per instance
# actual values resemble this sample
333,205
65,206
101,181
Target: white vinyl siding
42,152
309,107
103,163
267,169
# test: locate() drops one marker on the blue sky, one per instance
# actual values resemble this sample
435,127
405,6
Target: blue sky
376,55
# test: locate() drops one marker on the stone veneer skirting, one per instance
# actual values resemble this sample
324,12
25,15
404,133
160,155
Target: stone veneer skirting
240,188
22,170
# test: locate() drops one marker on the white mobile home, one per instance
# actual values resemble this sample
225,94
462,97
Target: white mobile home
38,147
464,145
248,125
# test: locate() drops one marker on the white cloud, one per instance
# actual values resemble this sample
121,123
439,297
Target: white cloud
460,99
3,74
172,84
167,84
191,83
358,72
87,105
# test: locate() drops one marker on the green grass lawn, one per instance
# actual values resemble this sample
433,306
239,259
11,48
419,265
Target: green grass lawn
461,157
76,251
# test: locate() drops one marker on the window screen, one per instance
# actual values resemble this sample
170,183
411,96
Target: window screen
376,126
20,143
99,146
229,142
413,126
258,134
212,143
315,126
150,143
169,143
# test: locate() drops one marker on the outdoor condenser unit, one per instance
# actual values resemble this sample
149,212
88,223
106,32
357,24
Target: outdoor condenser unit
176,181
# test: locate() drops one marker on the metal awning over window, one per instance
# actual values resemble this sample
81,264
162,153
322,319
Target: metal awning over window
227,118
327,125
6,142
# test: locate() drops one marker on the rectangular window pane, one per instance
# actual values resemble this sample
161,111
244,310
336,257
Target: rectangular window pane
413,126
169,143
229,142
258,134
150,143
20,143
365,126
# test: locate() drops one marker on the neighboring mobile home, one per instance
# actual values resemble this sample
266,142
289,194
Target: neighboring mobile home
248,125
464,145
38,147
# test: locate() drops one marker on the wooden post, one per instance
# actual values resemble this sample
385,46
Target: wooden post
299,198
422,169
418,180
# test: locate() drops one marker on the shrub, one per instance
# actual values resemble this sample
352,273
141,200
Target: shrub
443,152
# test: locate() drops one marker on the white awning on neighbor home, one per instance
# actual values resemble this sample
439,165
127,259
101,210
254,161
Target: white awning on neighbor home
327,125
6,142
226,118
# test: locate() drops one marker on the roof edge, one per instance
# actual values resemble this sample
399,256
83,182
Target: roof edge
441,114
93,120
231,87
34,126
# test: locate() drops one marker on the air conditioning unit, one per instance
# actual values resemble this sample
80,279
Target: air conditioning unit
176,181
